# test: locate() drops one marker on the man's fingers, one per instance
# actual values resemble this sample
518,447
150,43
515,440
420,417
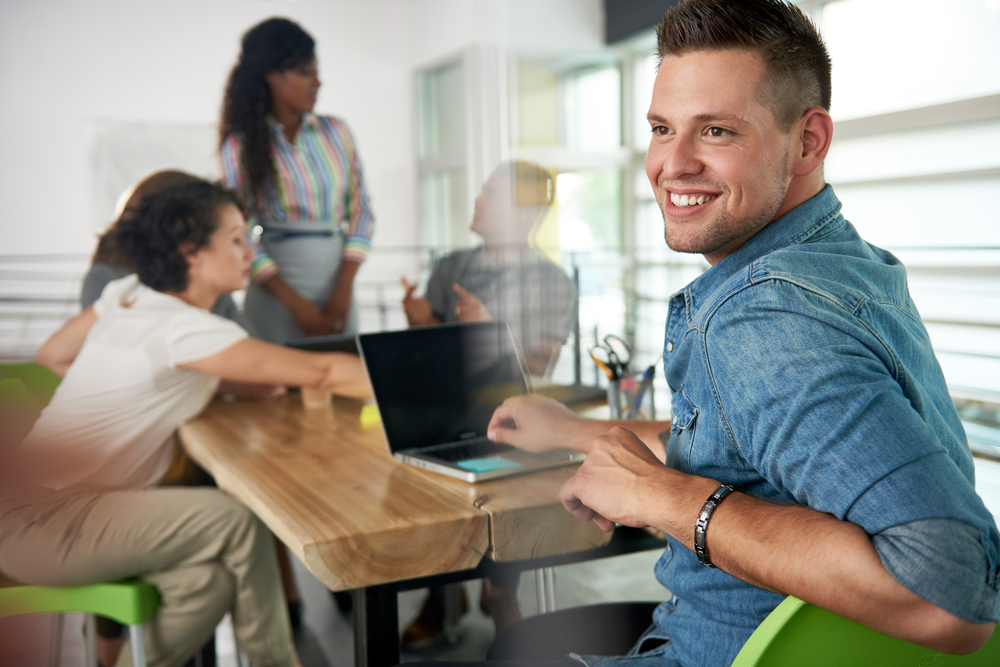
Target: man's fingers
604,524
408,286
572,503
461,291
502,416
569,496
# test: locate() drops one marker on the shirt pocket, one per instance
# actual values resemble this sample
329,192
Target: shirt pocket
683,424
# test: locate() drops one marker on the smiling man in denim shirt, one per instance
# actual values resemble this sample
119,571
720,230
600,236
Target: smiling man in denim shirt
802,377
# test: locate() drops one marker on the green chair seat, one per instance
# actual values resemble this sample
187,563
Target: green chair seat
797,633
40,381
129,602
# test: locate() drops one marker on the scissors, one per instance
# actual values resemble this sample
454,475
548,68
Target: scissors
605,361
619,353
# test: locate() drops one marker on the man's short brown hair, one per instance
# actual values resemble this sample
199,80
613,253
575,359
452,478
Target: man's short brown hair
796,62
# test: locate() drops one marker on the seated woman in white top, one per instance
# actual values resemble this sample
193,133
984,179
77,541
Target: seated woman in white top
81,503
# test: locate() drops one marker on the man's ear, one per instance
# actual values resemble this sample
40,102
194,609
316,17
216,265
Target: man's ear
814,134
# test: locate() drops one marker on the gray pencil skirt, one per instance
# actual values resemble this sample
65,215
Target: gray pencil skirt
308,256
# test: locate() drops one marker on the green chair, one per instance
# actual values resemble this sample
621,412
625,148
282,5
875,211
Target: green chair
797,633
130,603
40,381
29,387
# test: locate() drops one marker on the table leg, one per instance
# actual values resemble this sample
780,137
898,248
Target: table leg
376,626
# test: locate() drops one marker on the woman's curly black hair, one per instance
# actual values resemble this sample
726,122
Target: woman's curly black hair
178,220
107,252
276,45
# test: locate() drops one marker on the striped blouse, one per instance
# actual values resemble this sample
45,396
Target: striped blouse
319,178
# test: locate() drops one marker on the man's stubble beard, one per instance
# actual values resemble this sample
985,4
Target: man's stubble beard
723,230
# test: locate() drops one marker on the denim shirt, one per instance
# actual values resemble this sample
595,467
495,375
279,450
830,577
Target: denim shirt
802,374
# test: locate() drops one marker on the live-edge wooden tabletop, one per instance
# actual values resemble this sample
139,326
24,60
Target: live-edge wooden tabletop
328,488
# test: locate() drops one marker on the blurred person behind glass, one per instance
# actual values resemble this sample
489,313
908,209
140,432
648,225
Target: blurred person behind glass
504,278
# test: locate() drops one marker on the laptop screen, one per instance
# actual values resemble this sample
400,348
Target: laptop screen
441,384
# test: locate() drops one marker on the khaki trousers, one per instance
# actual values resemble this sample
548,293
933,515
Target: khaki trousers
206,553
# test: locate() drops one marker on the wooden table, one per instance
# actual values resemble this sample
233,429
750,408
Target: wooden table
358,519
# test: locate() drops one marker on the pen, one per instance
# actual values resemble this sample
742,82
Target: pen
647,385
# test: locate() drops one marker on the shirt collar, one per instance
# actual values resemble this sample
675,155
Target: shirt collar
798,225
308,120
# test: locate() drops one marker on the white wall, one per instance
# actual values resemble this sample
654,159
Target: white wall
68,66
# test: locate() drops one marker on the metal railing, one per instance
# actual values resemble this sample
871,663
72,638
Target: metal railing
622,292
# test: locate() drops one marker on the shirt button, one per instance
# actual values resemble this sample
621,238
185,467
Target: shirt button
670,346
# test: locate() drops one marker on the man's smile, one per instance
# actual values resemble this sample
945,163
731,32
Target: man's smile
690,200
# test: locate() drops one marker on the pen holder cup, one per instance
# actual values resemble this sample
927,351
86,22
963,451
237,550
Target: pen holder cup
634,399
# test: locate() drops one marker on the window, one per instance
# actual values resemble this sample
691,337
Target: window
441,151
916,161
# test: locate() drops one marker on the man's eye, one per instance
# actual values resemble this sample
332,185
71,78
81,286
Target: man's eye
718,132
661,130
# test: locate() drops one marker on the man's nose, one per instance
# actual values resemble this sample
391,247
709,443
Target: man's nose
681,158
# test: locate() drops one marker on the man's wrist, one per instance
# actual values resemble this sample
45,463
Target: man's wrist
701,525
680,498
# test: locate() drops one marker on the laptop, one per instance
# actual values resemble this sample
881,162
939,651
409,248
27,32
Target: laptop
330,343
436,389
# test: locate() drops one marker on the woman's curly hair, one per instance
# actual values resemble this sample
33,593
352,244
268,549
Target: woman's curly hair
107,252
276,45
168,225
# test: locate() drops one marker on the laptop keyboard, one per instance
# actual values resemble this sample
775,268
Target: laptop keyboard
475,449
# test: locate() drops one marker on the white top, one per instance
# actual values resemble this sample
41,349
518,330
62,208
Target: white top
111,420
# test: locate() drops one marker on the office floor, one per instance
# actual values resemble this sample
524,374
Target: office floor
327,638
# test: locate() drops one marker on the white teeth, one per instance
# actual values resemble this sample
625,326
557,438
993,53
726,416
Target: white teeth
690,200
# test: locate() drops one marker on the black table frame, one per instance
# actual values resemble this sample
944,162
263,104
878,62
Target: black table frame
376,609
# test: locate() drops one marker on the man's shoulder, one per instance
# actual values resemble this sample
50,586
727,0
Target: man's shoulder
464,257
555,278
838,271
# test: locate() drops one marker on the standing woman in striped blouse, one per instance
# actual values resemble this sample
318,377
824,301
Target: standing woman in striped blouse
300,180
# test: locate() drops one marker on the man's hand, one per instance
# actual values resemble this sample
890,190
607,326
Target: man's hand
418,309
536,424
609,486
469,307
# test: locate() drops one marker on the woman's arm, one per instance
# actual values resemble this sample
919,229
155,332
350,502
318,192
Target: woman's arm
252,360
59,351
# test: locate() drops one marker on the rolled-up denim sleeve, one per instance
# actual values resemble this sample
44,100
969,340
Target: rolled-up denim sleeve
943,561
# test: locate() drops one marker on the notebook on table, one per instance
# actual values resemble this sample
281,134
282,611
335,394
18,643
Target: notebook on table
436,389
